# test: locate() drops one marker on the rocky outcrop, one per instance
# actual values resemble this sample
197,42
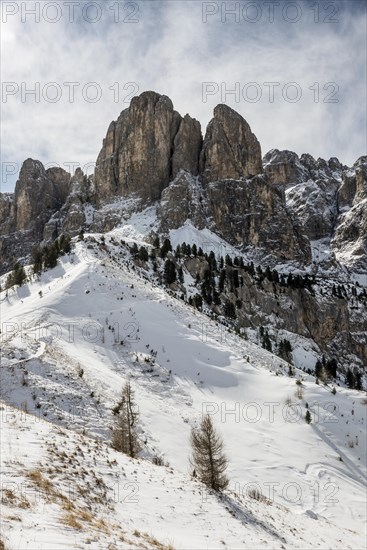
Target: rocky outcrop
6,212
78,210
39,193
253,213
285,167
145,149
328,324
153,155
184,199
150,143
311,188
349,241
246,213
230,150
187,146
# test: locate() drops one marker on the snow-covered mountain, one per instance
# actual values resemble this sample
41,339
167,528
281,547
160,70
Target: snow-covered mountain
72,336
215,281
294,214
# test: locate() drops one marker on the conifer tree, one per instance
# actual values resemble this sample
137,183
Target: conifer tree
124,434
208,458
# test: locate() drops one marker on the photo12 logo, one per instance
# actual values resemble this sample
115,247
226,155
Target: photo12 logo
270,12
71,12
253,412
53,92
291,491
10,169
253,92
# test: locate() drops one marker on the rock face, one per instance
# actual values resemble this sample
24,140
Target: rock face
253,213
285,167
244,213
270,210
230,150
183,199
311,188
6,212
77,211
38,194
145,149
153,155
335,325
186,147
350,238
150,143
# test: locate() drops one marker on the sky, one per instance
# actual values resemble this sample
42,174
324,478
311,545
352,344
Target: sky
296,71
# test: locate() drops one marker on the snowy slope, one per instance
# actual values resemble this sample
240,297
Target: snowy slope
66,355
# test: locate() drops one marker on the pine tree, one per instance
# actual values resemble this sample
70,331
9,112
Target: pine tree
64,244
208,458
143,254
50,254
156,243
318,368
19,275
267,342
229,310
358,380
197,301
212,261
222,278
331,367
285,350
16,277
308,417
37,260
134,250
228,260
165,248
124,433
170,275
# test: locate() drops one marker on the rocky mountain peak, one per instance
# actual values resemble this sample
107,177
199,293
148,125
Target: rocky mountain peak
154,155
145,149
230,149
150,143
30,172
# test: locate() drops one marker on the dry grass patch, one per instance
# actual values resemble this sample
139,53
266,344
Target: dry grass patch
70,519
155,542
257,495
11,499
41,482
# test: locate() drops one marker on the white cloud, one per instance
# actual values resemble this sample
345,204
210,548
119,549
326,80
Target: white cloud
172,51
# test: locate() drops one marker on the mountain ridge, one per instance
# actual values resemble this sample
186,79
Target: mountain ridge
295,214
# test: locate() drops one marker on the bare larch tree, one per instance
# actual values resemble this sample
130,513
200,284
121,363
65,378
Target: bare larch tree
124,433
208,458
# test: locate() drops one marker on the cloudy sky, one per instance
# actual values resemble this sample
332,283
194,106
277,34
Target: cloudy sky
297,72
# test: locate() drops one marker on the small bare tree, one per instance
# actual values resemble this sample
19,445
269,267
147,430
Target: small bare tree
208,459
124,434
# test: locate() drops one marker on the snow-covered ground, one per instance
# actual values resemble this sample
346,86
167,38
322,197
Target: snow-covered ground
72,338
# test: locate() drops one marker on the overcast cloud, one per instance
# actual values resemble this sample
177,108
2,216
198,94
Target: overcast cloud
172,51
